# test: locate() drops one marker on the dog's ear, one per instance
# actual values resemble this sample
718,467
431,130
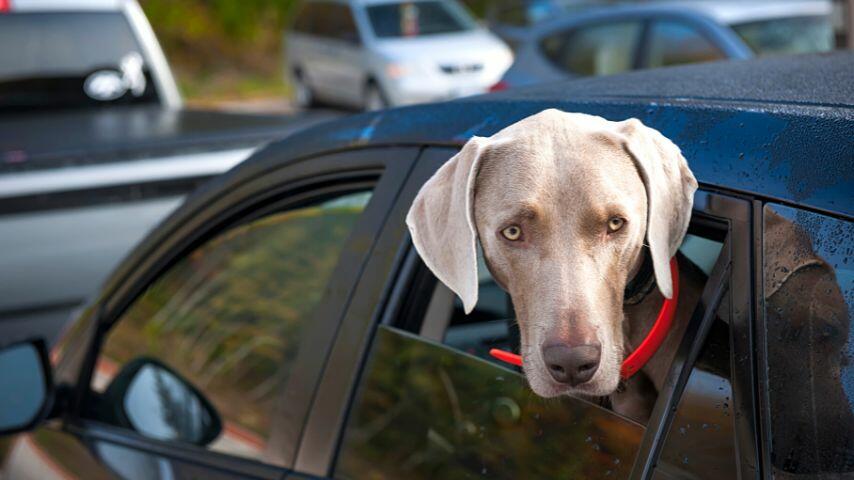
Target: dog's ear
441,222
670,188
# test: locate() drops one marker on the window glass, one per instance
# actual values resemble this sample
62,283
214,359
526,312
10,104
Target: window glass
228,318
340,23
415,19
787,35
305,19
809,292
425,411
701,441
674,43
601,49
46,59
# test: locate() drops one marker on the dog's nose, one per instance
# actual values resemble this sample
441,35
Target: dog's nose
572,364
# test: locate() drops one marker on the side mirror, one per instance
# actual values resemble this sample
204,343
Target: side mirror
26,386
152,399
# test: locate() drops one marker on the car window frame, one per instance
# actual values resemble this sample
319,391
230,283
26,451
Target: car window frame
381,169
324,432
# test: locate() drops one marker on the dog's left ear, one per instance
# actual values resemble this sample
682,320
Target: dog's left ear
670,188
441,222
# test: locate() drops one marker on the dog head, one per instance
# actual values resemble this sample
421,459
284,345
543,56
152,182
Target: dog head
562,204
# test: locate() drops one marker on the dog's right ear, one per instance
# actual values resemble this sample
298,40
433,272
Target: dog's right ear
441,222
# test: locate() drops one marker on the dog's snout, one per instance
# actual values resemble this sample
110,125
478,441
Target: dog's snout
572,364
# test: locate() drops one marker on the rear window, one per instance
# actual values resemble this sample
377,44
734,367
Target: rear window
65,59
787,35
415,19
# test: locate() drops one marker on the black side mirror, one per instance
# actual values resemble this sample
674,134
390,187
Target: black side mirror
26,386
152,399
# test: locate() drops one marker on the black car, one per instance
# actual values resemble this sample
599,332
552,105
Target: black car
281,325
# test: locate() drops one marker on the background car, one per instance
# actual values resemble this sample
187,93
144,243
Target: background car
614,39
49,60
375,53
281,325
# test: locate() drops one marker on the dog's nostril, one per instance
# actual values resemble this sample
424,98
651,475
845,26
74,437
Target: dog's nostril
572,365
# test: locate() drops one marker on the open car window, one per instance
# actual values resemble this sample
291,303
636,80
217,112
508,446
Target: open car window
433,404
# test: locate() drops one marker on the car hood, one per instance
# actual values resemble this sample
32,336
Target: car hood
472,46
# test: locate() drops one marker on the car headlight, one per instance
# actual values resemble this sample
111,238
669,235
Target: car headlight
397,70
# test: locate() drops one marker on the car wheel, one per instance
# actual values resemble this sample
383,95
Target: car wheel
303,96
374,98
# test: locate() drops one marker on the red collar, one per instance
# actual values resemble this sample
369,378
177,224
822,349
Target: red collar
637,359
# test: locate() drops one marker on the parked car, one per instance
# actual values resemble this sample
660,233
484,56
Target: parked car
78,189
509,19
67,54
281,325
614,39
376,53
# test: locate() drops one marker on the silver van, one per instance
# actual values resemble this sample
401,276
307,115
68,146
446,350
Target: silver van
376,53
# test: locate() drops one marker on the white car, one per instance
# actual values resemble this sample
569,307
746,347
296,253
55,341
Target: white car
79,54
376,53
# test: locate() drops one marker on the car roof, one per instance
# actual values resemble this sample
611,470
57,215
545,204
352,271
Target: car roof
725,12
66,5
733,12
778,128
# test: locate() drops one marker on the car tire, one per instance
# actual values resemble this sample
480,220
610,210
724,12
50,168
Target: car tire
374,99
303,95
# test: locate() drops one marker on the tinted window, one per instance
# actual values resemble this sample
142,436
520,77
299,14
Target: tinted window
414,19
46,59
787,35
674,43
809,292
600,49
425,411
701,440
229,317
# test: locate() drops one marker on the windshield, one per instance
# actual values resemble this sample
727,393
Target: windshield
70,60
787,35
415,19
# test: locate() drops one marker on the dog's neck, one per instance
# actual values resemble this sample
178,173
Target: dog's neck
642,281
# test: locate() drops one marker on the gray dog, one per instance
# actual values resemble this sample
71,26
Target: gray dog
563,204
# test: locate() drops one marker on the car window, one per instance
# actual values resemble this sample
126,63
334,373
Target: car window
808,299
675,43
339,23
415,19
600,49
55,60
228,318
787,35
701,440
426,411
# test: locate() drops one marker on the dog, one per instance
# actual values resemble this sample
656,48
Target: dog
566,208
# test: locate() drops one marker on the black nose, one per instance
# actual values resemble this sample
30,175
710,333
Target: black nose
572,365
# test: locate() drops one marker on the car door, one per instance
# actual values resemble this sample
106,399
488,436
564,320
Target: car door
221,329
410,391
337,53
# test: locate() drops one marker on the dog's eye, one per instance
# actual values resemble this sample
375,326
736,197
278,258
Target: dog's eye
615,223
512,233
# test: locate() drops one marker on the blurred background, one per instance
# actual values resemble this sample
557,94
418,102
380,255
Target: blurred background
228,54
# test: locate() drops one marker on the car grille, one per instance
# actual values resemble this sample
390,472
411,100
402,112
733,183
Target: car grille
462,68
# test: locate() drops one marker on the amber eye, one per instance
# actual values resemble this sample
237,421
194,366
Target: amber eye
512,233
615,223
